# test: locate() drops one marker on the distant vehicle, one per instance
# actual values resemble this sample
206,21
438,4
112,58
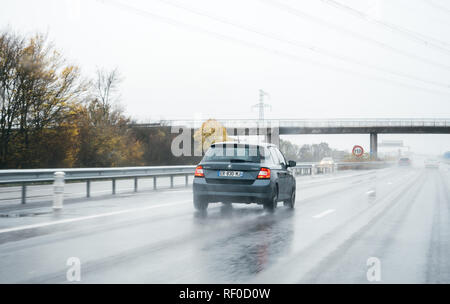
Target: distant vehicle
327,161
432,163
404,161
244,173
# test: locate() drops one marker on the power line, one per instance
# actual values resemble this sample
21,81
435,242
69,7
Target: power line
223,37
411,35
303,45
358,36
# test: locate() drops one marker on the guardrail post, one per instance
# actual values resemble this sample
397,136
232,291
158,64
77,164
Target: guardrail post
135,184
154,182
113,186
186,178
171,181
58,190
24,193
88,188
313,168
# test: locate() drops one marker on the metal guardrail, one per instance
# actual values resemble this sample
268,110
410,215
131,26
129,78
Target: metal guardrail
31,176
24,177
315,167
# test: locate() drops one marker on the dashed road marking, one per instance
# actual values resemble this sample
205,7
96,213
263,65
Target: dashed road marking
83,218
325,213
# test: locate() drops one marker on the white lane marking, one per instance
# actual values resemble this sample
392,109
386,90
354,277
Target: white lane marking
83,218
325,213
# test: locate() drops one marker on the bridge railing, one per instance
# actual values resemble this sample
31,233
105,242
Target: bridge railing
315,123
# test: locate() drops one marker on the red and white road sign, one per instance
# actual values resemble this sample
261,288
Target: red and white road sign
358,151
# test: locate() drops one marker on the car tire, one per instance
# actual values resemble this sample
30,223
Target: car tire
271,205
200,204
290,203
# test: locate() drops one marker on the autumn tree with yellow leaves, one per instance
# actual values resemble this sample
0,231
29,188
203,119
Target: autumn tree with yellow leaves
37,89
211,131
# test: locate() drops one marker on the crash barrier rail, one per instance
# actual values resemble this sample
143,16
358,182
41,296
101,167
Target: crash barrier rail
36,176
58,177
317,168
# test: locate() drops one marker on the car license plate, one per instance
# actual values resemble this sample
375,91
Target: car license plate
230,173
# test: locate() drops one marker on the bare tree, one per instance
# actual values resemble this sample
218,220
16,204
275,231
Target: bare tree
10,48
107,88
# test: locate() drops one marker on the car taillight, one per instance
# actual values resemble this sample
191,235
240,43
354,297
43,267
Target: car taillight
264,173
199,172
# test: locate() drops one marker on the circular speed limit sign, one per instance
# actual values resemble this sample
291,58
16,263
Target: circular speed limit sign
358,151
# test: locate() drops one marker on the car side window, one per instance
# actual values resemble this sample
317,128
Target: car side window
281,157
275,156
268,157
265,155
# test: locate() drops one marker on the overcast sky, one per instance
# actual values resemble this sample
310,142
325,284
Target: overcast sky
315,60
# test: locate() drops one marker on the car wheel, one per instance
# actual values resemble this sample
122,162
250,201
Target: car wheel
272,204
200,204
290,203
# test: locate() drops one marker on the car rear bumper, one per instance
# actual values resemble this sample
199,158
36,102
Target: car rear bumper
258,192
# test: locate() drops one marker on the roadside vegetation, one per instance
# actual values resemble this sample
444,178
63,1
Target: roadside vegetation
311,153
52,116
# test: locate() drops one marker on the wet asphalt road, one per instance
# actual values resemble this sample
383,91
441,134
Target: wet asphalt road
399,216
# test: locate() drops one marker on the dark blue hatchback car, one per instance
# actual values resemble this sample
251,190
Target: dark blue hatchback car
244,173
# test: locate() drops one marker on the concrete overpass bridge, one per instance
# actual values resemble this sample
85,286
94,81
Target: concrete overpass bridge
272,128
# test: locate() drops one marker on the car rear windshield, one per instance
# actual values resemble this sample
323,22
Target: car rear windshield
235,153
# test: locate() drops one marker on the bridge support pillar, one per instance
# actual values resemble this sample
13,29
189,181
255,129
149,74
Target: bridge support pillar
373,145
